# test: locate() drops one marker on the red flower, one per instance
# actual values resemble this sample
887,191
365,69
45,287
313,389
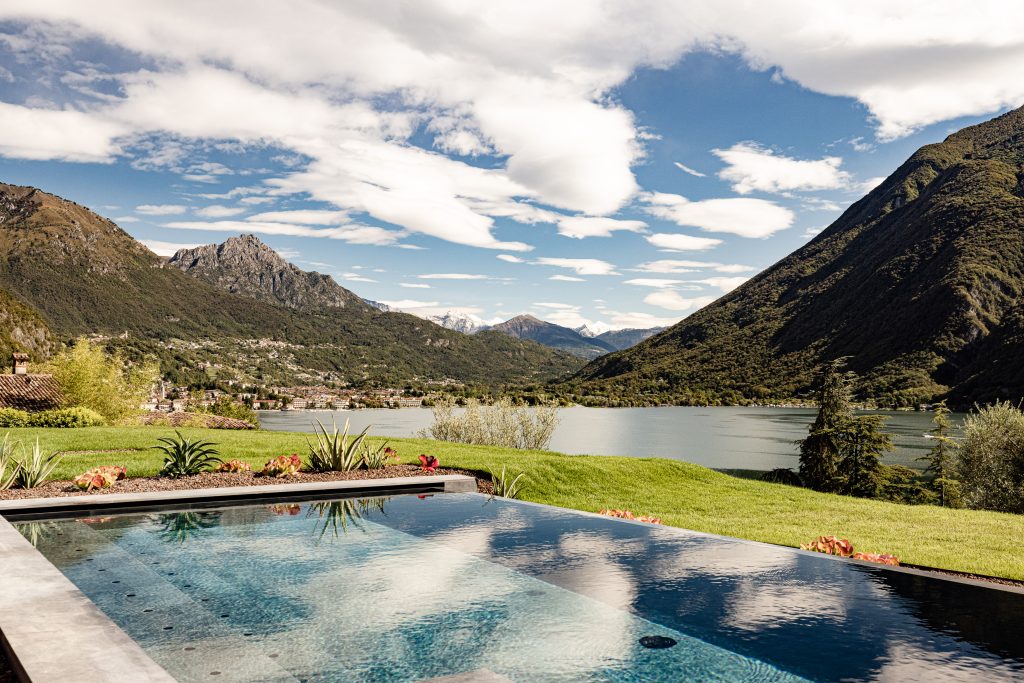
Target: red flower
429,463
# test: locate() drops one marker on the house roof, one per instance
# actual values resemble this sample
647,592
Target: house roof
29,392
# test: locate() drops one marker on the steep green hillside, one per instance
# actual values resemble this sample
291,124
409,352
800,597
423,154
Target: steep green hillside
919,283
87,276
555,336
21,329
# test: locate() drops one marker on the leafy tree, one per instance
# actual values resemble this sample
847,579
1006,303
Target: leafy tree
92,378
990,465
940,459
821,451
862,444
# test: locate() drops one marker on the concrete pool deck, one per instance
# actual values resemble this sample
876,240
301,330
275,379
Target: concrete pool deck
53,633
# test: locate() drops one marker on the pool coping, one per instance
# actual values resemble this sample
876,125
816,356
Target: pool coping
105,502
51,632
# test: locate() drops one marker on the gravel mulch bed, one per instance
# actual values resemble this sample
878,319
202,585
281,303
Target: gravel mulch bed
59,489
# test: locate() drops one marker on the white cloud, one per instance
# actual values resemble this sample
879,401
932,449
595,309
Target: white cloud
582,266
414,285
558,306
653,282
751,167
353,234
355,277
670,266
168,248
739,216
580,227
726,284
672,242
686,169
217,211
126,219
452,276
509,258
302,217
872,183
673,301
622,320
161,209
566,278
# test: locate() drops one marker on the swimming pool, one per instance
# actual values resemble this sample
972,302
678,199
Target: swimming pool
412,588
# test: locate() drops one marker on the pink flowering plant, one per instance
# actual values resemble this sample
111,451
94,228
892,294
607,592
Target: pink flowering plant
282,466
233,467
100,477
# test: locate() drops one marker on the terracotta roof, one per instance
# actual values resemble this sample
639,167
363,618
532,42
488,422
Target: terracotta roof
29,392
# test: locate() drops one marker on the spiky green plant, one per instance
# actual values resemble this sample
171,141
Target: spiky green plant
377,458
334,451
506,487
8,465
335,515
35,467
184,457
180,527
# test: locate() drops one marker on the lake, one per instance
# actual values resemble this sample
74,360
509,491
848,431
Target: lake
725,438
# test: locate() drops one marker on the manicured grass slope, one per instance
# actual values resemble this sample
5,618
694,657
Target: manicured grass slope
682,494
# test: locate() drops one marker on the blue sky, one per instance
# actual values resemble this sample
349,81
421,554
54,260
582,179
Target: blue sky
620,166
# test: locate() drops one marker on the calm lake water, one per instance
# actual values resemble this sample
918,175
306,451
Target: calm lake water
730,438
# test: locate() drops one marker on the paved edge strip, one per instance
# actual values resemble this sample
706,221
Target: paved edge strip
87,504
53,633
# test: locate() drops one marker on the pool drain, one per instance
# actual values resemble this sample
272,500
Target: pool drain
657,642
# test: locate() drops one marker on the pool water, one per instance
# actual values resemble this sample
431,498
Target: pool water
411,588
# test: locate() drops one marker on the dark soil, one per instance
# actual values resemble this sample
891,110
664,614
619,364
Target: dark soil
6,675
56,489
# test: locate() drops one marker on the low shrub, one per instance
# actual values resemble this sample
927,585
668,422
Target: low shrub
12,417
501,424
626,514
73,417
282,466
233,467
100,477
184,457
506,487
35,467
990,460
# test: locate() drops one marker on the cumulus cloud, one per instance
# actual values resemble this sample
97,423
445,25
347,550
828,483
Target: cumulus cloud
596,226
302,217
751,167
353,234
675,242
582,266
725,284
161,248
672,300
738,216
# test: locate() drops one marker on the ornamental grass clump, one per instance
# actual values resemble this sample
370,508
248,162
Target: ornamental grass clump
184,457
282,466
100,477
378,458
8,465
506,486
334,451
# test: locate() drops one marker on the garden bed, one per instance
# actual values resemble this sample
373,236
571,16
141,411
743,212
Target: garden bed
208,480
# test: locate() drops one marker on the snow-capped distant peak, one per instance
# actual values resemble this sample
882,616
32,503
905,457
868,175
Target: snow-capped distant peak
592,330
460,322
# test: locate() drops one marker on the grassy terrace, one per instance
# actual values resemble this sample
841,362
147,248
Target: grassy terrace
681,494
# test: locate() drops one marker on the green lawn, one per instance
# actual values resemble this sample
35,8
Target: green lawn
681,494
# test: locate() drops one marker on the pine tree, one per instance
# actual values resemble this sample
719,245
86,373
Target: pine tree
940,459
821,451
862,445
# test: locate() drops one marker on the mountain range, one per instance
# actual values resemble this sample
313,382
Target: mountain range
918,284
580,341
238,307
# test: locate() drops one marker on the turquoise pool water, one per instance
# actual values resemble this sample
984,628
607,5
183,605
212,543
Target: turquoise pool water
412,588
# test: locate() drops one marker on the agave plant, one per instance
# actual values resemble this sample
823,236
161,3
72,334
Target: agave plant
335,515
378,458
35,468
334,451
184,457
8,465
506,487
